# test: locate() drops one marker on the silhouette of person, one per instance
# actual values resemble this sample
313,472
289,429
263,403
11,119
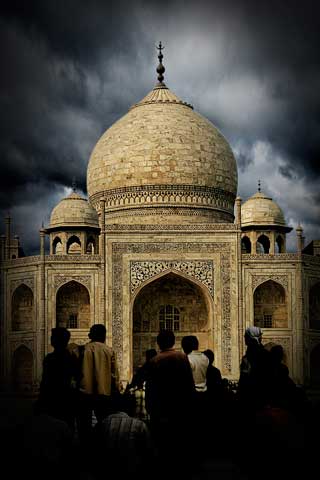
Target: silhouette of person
214,378
45,447
137,387
57,394
284,391
198,361
125,441
99,381
170,389
142,373
255,372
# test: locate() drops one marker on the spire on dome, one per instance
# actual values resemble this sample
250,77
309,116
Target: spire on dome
74,184
259,185
160,67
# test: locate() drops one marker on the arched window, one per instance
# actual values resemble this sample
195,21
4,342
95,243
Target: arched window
263,244
279,244
74,246
57,246
245,245
169,318
270,306
22,369
314,307
22,308
73,306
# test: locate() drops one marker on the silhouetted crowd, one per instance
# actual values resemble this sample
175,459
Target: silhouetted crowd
177,418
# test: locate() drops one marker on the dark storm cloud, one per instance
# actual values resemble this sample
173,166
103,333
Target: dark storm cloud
70,69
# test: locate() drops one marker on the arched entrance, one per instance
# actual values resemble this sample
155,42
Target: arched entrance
22,309
22,369
172,302
73,306
270,306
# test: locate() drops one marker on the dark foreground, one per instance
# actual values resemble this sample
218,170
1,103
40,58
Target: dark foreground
273,446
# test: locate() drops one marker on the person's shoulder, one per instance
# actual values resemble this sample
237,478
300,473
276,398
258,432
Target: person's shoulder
178,354
75,349
216,370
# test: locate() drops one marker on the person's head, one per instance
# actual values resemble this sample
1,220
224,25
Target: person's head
150,353
189,343
98,333
210,355
253,336
277,354
166,339
60,337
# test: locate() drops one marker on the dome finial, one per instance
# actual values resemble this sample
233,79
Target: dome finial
74,184
259,185
160,67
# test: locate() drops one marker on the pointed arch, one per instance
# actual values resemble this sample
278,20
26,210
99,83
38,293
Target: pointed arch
280,244
74,245
263,244
22,308
57,246
245,244
270,305
170,300
73,306
22,369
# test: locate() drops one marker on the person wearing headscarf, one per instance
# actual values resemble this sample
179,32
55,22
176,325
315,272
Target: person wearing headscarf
255,371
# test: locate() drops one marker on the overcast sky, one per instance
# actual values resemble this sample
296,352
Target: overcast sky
71,68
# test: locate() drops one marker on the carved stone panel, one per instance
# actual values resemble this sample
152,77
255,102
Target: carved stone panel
140,271
29,282
121,249
61,279
258,279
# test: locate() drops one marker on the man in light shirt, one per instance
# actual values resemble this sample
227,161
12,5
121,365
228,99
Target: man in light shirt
99,380
198,361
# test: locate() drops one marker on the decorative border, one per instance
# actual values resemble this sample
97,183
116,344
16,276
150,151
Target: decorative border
121,249
36,259
73,258
188,195
198,227
267,257
22,342
29,282
62,279
212,214
259,279
201,270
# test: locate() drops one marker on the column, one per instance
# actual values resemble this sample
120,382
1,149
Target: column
272,243
299,231
238,210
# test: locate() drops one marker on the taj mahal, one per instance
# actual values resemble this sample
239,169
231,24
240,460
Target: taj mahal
163,241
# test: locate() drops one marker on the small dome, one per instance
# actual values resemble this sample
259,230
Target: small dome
261,210
74,211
